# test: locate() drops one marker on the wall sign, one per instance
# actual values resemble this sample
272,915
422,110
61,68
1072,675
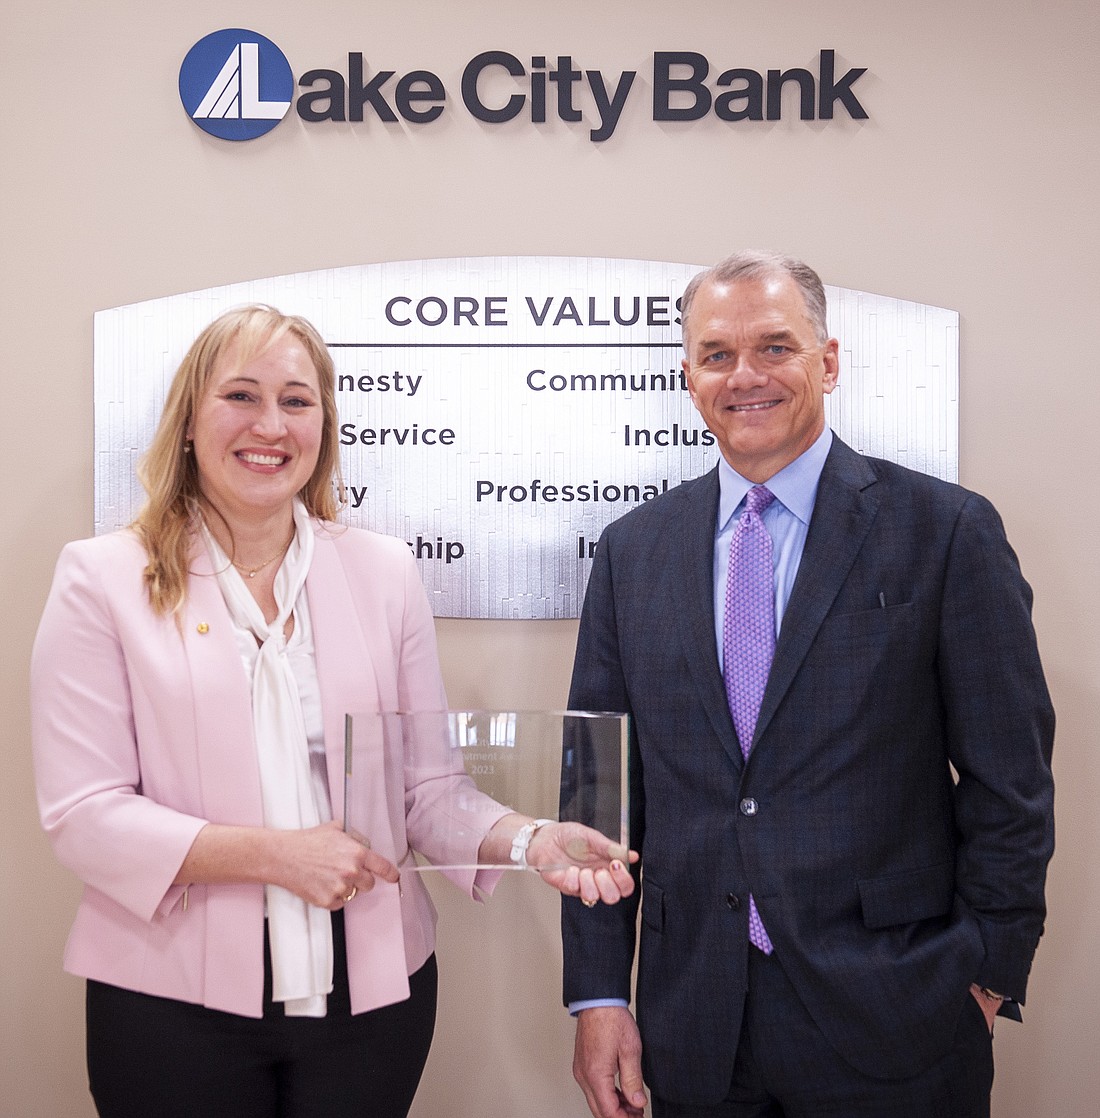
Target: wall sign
236,84
498,412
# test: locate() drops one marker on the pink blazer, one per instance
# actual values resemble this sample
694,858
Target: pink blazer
142,733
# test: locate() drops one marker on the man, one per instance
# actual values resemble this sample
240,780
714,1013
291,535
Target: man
845,837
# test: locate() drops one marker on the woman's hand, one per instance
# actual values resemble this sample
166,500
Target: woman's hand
573,858
581,862
322,865
326,866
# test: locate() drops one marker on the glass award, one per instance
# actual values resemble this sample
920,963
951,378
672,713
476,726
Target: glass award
422,788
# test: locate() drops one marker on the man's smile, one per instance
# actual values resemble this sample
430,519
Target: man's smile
754,407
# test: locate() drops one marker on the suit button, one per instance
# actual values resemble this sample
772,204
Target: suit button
733,900
749,806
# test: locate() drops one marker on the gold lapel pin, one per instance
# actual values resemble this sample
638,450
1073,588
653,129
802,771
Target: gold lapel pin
202,628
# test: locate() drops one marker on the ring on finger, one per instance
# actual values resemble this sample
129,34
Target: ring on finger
587,903
351,895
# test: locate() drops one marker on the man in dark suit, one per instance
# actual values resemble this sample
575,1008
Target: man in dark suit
838,900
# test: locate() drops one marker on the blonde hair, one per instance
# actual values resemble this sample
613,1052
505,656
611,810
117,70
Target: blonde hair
168,472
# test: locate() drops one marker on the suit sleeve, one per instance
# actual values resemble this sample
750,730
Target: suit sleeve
86,756
598,943
1000,730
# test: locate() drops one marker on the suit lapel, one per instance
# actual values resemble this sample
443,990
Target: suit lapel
693,539
345,667
228,770
843,513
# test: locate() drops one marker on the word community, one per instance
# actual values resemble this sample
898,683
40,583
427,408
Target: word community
538,380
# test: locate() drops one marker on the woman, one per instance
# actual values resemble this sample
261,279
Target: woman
244,955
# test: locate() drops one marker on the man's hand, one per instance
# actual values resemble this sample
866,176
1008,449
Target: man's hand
608,1045
989,1004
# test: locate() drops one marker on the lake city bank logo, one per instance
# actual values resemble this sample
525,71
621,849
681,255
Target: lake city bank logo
236,84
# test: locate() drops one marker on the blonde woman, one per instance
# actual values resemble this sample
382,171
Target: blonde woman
244,955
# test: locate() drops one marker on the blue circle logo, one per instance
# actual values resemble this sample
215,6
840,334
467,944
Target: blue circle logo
236,84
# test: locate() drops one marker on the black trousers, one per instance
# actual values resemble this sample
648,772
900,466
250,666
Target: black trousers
785,1068
152,1057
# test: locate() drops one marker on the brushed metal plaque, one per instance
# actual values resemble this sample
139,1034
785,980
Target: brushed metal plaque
498,412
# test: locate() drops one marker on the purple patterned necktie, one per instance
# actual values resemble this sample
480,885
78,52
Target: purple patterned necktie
748,638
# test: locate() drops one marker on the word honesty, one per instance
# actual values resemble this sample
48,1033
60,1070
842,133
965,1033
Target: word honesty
497,87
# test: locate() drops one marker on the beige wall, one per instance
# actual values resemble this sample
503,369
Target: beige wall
972,186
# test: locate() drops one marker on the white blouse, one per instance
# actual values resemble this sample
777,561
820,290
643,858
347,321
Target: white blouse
303,666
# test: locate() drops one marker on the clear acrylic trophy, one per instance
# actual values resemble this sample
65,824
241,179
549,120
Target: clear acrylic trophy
423,787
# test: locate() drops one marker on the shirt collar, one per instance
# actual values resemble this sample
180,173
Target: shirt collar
795,486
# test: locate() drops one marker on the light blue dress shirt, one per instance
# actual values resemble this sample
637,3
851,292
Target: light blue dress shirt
787,520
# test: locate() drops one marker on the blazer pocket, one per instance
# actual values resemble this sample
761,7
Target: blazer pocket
867,622
907,896
653,907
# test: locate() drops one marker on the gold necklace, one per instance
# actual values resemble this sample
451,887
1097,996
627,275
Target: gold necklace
252,572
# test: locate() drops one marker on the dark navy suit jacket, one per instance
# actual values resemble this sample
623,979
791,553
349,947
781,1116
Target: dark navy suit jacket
886,884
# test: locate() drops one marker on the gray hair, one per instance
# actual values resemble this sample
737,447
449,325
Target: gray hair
757,264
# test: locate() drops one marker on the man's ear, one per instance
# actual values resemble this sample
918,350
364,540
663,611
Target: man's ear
831,359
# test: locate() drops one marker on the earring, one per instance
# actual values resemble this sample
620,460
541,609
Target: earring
186,446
